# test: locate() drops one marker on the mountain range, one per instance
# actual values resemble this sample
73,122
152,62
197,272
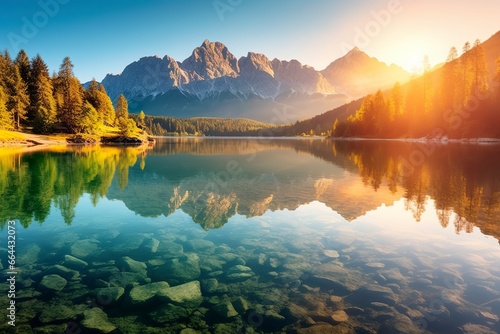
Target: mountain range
212,82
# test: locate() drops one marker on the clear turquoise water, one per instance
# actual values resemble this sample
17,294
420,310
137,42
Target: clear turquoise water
249,236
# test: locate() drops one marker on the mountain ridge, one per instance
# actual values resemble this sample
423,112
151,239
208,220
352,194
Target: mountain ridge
212,74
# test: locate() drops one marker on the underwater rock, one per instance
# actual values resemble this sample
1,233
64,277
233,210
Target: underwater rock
241,305
170,249
476,329
392,275
108,296
128,243
74,263
210,264
131,265
28,256
339,317
62,271
56,313
168,314
144,293
225,310
150,245
178,270
239,272
398,323
187,295
332,254
96,319
197,245
371,293
49,329
53,283
326,329
83,248
210,285
128,279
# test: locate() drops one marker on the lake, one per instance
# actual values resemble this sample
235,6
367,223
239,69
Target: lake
199,235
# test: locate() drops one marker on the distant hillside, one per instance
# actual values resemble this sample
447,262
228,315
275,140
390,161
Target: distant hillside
201,126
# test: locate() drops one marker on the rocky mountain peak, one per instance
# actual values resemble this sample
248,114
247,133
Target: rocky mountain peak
210,61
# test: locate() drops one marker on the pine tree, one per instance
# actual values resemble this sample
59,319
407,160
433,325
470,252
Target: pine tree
89,122
43,106
466,79
121,107
480,69
18,100
450,81
69,97
22,61
106,109
5,117
96,95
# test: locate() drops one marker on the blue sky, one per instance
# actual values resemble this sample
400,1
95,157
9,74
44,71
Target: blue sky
103,36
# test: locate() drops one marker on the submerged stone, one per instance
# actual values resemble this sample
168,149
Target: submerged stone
131,265
168,314
150,245
56,313
333,254
74,263
53,283
327,329
210,285
29,255
83,248
108,296
372,293
96,319
144,293
62,271
170,249
179,270
128,279
199,244
187,295
225,310
239,272
340,316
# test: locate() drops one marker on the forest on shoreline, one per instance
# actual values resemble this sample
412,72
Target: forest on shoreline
32,100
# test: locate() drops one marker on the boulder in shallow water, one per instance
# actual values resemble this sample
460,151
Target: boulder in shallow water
144,293
108,296
131,265
96,319
371,293
225,310
83,248
168,313
53,283
56,313
186,295
74,263
179,270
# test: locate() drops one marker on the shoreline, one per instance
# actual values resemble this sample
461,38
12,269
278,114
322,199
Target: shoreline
424,140
27,142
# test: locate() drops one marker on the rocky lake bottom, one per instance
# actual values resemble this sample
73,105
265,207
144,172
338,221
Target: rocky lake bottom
271,274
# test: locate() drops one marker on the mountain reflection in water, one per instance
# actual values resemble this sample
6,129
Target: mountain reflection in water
212,180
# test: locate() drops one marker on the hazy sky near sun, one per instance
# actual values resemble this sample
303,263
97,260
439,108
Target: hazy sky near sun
103,36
